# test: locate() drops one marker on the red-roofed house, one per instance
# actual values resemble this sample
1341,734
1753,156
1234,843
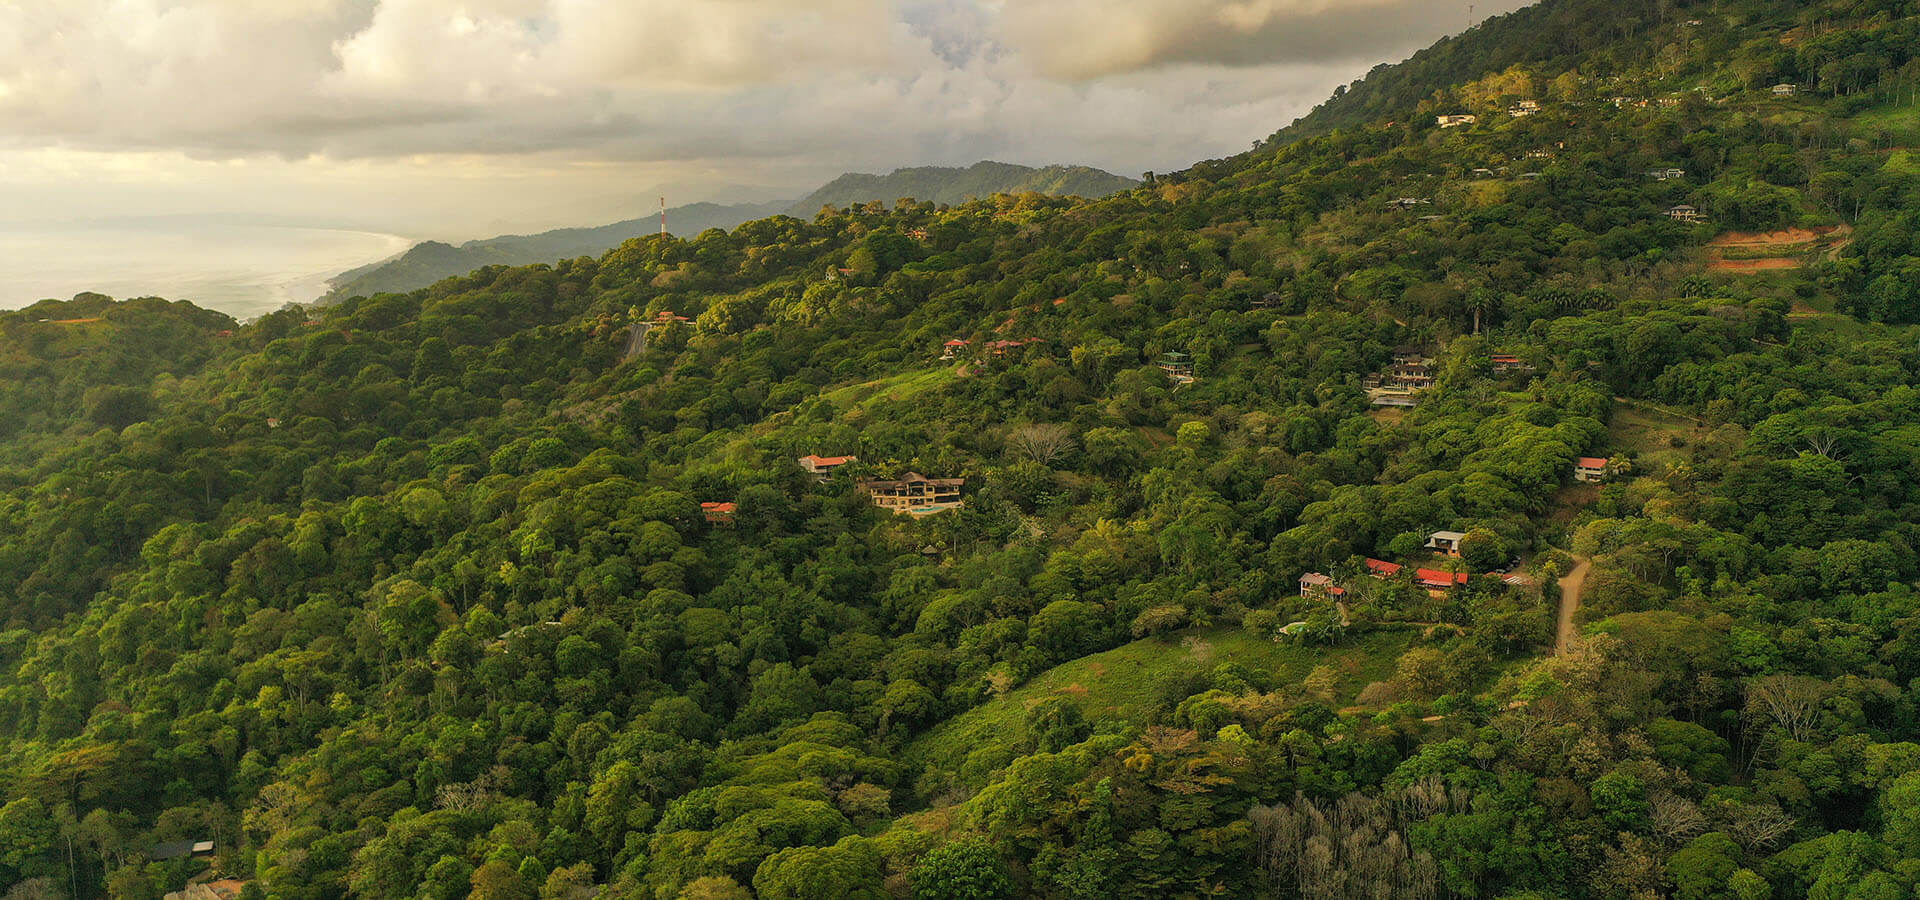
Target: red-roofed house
822,467
1590,468
667,315
718,513
953,348
1313,581
1437,582
1507,362
1383,569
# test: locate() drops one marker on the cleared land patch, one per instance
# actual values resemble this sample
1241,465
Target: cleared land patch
1741,252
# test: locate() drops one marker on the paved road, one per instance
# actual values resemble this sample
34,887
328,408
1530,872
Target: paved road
1570,586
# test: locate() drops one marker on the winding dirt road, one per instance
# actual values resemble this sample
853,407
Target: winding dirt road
1570,586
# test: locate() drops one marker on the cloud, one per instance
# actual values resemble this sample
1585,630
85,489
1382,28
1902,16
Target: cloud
1082,39
777,91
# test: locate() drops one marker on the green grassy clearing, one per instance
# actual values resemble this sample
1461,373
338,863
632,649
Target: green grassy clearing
1649,434
900,387
1127,682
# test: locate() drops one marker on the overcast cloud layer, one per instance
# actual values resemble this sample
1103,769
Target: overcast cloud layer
301,100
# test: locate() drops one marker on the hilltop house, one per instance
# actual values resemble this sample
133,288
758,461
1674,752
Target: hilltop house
1437,582
1455,121
823,467
1523,108
1313,582
1684,213
952,348
1177,365
718,513
667,315
1508,362
1398,384
1785,90
1447,542
1668,174
1409,202
1590,468
915,494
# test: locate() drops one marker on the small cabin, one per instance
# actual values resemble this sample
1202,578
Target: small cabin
1785,90
952,349
823,467
197,849
1314,583
1523,109
1447,542
1455,121
1668,174
1507,362
718,513
1380,568
1409,202
1590,468
915,494
1684,213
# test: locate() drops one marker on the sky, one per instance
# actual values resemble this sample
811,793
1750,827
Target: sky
466,118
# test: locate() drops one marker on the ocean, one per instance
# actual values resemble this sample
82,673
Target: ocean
241,270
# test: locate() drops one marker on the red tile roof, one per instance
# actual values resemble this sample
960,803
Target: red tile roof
1384,569
1437,577
828,460
718,507
1591,462
958,343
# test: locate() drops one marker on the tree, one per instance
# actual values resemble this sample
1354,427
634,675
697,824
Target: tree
961,870
496,879
1043,443
849,869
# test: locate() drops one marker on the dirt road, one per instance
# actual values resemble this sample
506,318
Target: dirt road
1570,586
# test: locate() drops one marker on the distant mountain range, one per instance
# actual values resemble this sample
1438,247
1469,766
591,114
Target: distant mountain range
430,261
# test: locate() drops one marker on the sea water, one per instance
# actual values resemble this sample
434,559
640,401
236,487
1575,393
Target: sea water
242,270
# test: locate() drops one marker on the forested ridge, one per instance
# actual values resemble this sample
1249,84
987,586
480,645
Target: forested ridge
429,261
415,596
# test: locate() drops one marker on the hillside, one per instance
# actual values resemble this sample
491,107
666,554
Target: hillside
935,184
431,261
1272,468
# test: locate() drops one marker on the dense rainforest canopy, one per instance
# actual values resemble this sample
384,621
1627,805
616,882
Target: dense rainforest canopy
415,596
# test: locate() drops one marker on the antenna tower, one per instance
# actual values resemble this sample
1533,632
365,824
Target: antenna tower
663,217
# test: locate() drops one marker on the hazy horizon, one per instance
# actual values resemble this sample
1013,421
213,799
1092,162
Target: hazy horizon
454,120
